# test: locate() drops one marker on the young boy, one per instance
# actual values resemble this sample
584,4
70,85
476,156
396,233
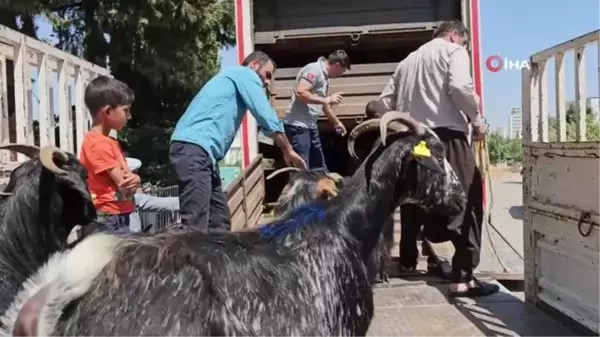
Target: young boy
111,182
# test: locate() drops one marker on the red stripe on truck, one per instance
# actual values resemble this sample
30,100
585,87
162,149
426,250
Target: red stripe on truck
477,76
239,34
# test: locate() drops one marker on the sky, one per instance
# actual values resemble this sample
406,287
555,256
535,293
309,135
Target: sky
513,29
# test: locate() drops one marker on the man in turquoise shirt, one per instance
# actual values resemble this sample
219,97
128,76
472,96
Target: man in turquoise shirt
204,134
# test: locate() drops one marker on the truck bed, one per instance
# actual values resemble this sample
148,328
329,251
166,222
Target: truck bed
420,307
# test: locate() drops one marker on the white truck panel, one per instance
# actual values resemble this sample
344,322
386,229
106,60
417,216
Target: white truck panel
560,195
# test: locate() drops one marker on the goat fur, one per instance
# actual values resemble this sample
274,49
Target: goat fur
36,216
303,274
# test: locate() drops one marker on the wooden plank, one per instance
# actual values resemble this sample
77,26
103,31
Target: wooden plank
4,120
12,37
235,200
566,46
64,109
21,76
348,89
43,82
80,118
343,111
559,83
580,94
255,216
359,69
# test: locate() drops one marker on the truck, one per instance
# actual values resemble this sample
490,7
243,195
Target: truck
377,35
560,190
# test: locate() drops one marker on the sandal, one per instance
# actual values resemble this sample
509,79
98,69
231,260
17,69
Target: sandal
481,289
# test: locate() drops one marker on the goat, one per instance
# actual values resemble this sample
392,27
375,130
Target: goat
303,274
46,197
380,259
305,186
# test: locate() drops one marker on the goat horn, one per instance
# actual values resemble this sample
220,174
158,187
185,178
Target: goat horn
335,177
366,126
4,194
281,170
47,154
401,117
28,150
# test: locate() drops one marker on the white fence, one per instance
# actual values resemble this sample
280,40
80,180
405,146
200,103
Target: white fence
560,188
41,91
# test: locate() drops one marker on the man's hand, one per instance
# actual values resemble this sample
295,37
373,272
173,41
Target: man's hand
293,159
334,99
340,129
479,129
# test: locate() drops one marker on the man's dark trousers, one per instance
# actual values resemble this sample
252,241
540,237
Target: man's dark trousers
306,142
464,230
203,205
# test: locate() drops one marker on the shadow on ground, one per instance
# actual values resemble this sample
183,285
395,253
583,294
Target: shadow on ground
420,306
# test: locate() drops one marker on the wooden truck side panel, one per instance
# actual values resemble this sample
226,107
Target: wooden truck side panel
560,194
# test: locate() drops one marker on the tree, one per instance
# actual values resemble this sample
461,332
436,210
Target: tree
504,150
165,50
592,125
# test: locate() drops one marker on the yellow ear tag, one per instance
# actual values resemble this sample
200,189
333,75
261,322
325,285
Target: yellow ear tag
421,150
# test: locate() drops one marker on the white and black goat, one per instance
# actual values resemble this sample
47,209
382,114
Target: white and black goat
305,186
303,274
46,197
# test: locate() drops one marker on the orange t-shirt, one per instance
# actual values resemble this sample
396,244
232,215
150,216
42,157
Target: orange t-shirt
100,153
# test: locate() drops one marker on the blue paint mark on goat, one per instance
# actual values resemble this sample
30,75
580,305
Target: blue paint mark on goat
300,217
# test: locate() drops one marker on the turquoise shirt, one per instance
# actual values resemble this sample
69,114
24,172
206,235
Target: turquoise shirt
214,116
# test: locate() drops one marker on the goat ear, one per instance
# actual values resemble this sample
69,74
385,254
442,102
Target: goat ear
430,163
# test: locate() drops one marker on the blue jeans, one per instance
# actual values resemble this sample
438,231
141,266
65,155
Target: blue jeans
150,203
306,142
113,222
201,197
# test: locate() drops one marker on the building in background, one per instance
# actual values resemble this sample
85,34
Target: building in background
591,102
515,123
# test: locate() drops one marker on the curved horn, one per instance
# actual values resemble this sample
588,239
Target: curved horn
336,177
401,117
47,154
28,150
366,126
281,170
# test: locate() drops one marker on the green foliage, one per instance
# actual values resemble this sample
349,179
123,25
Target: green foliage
504,150
164,50
509,151
592,126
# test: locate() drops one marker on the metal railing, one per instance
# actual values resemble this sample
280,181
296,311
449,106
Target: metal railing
160,220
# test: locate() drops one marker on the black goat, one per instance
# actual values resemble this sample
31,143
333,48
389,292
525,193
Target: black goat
378,266
305,186
46,197
303,274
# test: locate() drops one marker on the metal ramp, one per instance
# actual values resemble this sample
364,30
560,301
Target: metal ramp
420,307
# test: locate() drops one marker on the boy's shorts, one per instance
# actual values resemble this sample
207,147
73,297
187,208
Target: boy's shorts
113,222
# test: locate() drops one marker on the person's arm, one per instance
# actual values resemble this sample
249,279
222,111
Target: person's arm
252,92
462,92
103,158
387,98
307,79
328,111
